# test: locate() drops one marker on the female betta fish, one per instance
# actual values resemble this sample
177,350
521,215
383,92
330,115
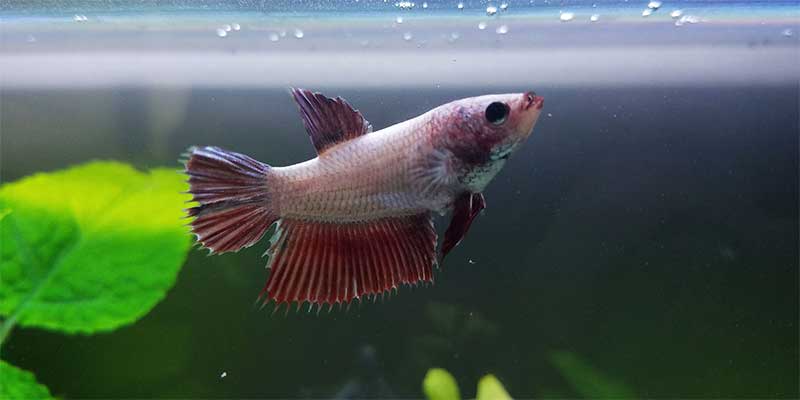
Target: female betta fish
357,220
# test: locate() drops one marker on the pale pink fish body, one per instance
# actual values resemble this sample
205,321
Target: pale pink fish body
356,220
361,179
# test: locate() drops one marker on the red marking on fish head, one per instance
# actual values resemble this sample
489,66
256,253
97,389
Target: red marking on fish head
481,129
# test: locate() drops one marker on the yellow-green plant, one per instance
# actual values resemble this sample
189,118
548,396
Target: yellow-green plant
440,385
84,250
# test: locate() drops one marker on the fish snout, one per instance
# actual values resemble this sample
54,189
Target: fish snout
530,99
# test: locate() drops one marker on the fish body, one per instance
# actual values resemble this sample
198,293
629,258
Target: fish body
357,219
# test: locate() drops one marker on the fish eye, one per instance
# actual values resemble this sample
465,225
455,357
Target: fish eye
497,113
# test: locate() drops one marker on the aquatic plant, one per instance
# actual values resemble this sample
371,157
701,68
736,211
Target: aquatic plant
440,385
585,380
84,250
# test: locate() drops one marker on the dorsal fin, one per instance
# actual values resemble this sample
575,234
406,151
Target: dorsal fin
329,121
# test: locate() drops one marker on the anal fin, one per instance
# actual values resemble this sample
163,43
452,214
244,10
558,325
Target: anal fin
323,262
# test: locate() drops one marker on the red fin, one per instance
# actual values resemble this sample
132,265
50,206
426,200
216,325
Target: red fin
320,262
329,121
231,189
465,209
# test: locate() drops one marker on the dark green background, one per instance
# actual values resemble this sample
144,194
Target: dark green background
652,231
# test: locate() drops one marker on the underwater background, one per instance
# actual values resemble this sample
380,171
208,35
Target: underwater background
648,228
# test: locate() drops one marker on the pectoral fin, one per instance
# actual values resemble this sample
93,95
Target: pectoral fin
465,209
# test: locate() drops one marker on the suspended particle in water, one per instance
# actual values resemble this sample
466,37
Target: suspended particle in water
503,6
471,262
223,374
221,32
647,12
481,25
236,26
594,18
399,20
491,10
454,37
226,27
298,34
460,6
788,32
282,33
566,16
549,115
273,37
502,29
31,39
675,14
654,5
407,36
425,5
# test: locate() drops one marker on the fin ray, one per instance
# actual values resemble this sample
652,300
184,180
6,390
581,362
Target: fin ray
326,263
329,121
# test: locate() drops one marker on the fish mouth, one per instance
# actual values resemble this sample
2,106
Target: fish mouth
532,100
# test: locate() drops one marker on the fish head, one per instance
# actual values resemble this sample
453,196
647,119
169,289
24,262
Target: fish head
482,132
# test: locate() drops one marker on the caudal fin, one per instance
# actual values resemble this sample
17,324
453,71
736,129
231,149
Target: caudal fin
232,192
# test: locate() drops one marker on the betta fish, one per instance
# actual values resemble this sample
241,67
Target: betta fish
357,220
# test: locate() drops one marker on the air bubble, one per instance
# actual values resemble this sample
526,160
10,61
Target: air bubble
236,26
566,16
80,18
503,6
788,32
298,34
481,25
221,32
226,27
273,37
460,6
654,5
687,19
407,36
594,18
424,5
502,29
675,14
491,10
453,37
647,12
405,5
398,20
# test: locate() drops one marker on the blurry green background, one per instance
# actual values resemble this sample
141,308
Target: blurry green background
651,232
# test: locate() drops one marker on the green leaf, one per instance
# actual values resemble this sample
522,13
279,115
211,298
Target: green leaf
89,248
587,381
489,388
440,385
20,384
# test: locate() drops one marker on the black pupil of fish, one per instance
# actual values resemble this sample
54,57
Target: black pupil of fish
496,113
